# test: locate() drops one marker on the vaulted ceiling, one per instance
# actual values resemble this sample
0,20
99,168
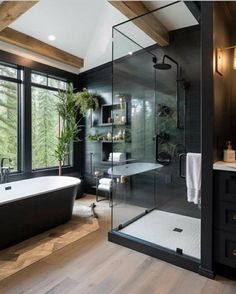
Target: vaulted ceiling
84,27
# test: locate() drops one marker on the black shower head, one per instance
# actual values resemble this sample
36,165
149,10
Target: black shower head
162,66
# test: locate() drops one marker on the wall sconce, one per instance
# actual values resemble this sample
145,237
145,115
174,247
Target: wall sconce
219,61
234,64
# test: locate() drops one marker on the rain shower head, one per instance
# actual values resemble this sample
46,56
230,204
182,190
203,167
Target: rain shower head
162,66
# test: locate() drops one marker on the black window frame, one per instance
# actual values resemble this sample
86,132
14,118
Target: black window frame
29,66
47,87
20,84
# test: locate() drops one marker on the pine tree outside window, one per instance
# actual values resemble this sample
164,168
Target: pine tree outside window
45,120
10,91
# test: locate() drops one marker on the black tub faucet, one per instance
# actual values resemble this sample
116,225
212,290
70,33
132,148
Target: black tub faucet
5,170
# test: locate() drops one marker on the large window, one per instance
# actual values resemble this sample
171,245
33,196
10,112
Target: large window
45,120
10,91
29,121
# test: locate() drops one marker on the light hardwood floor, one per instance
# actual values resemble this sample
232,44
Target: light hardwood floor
94,265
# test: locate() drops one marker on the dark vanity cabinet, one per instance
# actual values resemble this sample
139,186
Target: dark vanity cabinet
225,217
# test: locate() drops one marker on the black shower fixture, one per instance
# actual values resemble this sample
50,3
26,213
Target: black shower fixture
163,110
186,84
162,66
165,66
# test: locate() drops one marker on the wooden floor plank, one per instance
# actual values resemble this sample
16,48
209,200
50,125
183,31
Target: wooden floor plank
63,287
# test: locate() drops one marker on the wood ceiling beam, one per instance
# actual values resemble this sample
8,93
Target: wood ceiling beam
24,41
148,24
11,10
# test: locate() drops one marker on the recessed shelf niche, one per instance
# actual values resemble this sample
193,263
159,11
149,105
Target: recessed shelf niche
116,114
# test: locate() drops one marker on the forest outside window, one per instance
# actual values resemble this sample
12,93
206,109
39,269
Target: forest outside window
10,95
45,120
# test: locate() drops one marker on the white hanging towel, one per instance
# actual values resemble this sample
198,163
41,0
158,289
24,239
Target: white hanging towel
193,177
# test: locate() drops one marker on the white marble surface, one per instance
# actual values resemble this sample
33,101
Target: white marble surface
131,169
34,187
226,166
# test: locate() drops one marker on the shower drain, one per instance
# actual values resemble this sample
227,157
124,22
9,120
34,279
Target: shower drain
178,230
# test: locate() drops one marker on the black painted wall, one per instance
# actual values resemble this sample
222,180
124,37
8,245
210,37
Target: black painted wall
223,106
232,84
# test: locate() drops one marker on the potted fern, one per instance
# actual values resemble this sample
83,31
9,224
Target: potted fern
68,106
86,100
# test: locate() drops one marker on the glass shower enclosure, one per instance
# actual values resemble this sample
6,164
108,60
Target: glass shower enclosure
154,126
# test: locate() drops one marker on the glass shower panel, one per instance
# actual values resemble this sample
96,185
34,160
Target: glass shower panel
159,89
133,130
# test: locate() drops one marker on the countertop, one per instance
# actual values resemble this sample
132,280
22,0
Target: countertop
226,166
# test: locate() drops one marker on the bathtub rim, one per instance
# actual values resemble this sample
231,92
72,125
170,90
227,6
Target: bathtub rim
2,202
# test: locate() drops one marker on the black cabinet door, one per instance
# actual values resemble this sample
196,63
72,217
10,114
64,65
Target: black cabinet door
225,186
225,248
225,216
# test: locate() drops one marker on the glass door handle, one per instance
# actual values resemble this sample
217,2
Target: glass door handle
181,158
156,138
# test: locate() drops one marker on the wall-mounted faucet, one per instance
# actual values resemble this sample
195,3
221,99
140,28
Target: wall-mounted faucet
5,170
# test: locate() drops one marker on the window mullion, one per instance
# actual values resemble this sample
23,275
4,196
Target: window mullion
27,123
19,127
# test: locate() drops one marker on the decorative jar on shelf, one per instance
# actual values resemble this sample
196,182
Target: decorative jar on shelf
109,136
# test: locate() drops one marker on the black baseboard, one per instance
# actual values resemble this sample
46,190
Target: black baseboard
154,251
206,273
226,271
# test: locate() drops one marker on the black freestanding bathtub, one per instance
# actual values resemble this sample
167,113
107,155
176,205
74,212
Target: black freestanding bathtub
32,206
